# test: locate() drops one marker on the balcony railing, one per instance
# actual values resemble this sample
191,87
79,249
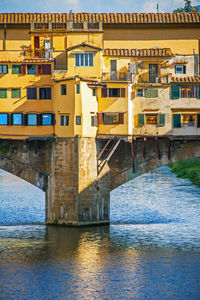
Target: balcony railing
117,76
38,53
160,79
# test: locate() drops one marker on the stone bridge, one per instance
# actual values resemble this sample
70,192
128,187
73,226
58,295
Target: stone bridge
77,174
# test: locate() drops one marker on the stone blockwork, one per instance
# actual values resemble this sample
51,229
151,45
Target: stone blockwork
66,169
76,195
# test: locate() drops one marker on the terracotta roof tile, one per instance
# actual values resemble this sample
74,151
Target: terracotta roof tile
160,52
185,80
110,18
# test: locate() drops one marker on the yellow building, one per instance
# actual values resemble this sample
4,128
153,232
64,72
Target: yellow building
99,74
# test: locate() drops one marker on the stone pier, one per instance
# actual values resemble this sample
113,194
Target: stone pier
76,195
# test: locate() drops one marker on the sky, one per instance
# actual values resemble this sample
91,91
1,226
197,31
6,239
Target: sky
133,6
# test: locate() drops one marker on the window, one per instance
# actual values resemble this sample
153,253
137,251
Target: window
181,69
78,88
32,119
113,118
46,119
151,119
151,93
185,91
64,120
112,92
17,119
31,69
84,59
93,121
63,89
3,119
16,69
3,93
16,93
94,92
78,120
46,69
188,120
31,93
140,92
3,69
45,93
176,120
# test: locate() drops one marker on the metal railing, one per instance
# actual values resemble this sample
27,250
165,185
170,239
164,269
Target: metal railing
117,76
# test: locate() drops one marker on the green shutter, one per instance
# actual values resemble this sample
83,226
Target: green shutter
161,119
176,120
16,93
16,69
3,93
175,91
198,120
198,96
151,93
141,119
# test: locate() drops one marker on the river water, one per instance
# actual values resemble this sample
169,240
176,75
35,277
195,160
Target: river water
150,251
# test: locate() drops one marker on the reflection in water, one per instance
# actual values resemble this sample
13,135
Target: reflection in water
150,251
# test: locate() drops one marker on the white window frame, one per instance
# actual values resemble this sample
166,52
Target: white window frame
81,60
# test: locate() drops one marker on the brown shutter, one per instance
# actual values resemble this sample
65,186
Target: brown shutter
23,70
104,92
39,69
123,92
46,69
100,118
121,118
36,42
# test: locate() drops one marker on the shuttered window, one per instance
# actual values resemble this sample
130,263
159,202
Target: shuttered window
100,118
3,93
45,93
3,69
113,92
121,118
46,69
3,119
141,119
39,69
31,119
161,119
151,93
23,70
46,119
31,69
175,91
198,120
16,93
17,119
31,93
16,69
176,120
104,92
199,92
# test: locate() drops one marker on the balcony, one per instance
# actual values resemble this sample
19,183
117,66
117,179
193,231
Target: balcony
117,76
155,80
37,53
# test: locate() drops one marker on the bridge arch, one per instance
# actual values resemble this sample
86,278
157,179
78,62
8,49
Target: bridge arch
123,168
24,171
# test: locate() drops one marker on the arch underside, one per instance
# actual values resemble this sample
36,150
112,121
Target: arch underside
124,167
23,171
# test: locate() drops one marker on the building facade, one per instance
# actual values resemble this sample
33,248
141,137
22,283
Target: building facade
101,75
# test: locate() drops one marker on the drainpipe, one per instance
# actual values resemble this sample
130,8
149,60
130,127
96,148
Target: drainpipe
130,110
